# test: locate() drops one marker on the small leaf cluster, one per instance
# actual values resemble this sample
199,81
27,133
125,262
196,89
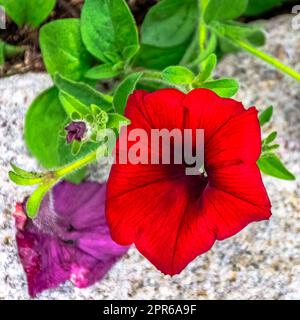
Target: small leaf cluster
180,75
269,162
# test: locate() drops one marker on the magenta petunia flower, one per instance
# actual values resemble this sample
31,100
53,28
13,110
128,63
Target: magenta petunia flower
69,239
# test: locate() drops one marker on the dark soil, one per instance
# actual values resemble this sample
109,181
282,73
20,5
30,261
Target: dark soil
31,60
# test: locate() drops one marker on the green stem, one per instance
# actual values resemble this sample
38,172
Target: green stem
202,29
267,58
156,76
152,74
60,173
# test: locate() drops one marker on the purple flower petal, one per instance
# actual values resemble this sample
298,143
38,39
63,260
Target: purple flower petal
75,131
69,239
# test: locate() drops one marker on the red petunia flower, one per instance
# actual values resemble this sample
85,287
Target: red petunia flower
171,217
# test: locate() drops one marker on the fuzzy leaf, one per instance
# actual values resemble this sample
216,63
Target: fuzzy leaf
152,57
236,30
86,94
104,71
123,91
71,105
44,119
257,7
63,50
223,10
116,121
29,12
208,66
109,30
169,23
23,181
178,75
225,88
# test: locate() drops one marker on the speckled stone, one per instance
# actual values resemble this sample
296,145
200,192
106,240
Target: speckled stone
261,262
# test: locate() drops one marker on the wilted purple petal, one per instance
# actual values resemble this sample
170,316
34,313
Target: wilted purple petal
75,131
69,239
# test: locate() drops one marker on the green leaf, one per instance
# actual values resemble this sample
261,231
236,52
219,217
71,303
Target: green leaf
44,120
109,30
71,105
86,94
23,173
8,51
271,165
268,148
96,109
2,55
265,115
116,121
23,181
76,146
257,38
236,30
170,23
223,10
225,88
104,71
65,151
178,75
123,91
63,50
152,57
257,7
77,176
270,138
30,12
208,66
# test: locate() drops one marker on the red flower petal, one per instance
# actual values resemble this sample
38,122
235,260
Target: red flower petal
159,214
210,112
235,197
160,109
238,141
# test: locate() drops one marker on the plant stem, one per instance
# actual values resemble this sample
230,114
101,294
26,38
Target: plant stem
152,74
156,76
60,173
267,58
202,29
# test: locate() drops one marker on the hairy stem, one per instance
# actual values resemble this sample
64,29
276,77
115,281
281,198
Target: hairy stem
202,29
60,173
267,58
